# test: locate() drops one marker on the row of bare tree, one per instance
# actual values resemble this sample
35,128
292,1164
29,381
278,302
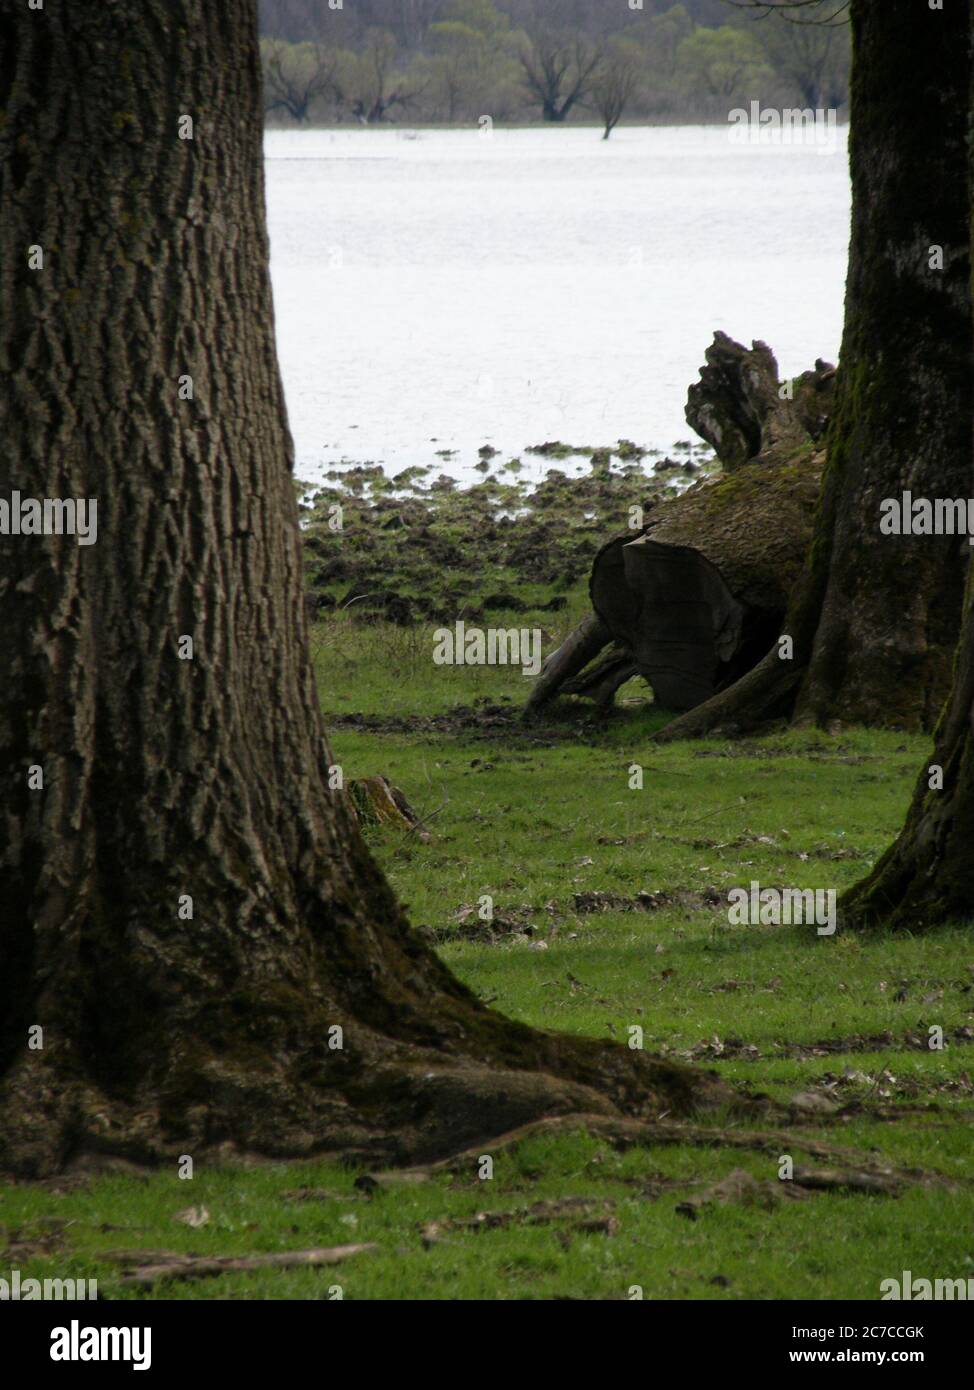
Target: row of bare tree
473,61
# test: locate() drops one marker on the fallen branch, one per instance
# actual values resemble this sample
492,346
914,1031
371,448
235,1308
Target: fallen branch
848,1180
577,650
168,1264
585,1215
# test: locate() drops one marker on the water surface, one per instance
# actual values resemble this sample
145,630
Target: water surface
442,290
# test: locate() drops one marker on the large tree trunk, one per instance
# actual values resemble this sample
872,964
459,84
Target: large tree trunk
169,779
927,877
876,620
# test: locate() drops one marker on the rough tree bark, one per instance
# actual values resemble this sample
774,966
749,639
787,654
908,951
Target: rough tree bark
164,778
875,621
927,876
737,406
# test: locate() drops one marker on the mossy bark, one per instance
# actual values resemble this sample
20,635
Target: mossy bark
168,779
927,876
891,605
875,621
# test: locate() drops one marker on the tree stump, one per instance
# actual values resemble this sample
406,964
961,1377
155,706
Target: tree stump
376,801
695,600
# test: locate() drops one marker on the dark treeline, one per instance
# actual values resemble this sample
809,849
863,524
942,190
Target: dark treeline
409,21
457,61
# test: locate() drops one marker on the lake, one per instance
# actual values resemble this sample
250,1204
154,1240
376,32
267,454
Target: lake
443,290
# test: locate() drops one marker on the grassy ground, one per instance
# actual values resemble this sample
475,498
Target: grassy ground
534,817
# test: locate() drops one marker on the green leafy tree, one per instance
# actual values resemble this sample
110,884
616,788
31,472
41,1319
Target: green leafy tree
813,59
471,58
723,64
666,33
371,83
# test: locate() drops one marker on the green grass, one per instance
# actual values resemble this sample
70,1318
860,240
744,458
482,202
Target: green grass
533,817
380,670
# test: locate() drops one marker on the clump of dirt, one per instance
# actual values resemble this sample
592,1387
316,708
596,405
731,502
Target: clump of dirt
482,720
648,902
468,925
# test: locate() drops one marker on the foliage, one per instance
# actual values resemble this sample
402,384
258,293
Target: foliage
726,64
456,61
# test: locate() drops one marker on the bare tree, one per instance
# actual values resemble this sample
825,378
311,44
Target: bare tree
616,82
377,85
558,70
296,75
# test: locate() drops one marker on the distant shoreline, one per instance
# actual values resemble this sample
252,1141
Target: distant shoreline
661,123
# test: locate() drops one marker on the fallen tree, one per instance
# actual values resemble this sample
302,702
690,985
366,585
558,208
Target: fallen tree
699,596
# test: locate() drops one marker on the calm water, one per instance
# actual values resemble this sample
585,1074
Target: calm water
446,289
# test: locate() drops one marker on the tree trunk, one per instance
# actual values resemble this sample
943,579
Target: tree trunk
189,912
696,600
927,876
876,619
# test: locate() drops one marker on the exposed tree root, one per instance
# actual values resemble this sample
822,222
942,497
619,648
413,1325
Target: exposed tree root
624,1134
765,693
379,1100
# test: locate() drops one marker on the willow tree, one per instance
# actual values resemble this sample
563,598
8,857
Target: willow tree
196,950
875,622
